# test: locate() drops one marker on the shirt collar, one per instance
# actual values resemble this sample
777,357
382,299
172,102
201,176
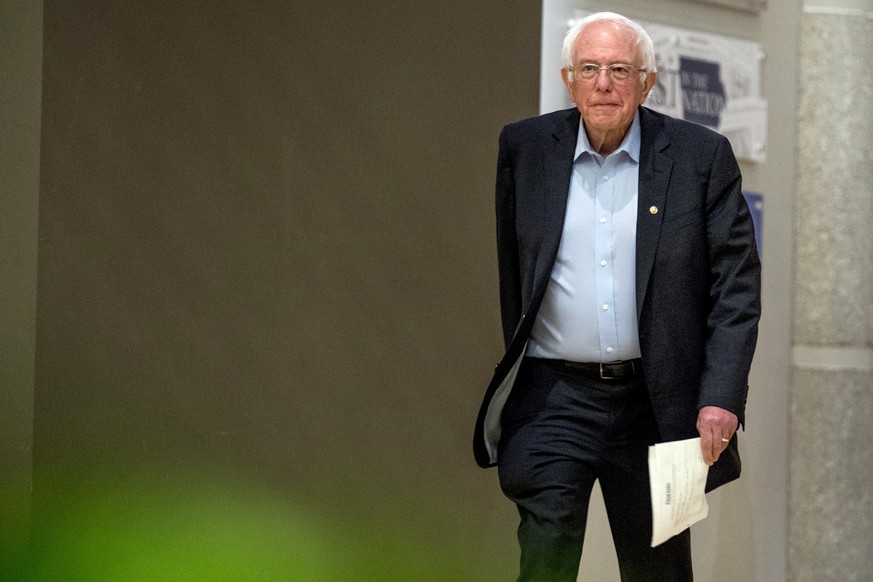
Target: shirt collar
630,144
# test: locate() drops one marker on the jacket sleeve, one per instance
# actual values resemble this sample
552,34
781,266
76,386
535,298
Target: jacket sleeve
507,241
735,288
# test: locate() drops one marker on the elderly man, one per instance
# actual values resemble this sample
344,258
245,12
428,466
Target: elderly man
630,298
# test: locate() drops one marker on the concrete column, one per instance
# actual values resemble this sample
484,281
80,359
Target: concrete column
831,474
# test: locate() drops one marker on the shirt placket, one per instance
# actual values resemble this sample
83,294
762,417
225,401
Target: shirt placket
604,261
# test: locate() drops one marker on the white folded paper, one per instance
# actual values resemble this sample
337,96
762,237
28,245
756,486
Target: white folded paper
677,475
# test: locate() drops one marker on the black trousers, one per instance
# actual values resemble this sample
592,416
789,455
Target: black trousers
562,431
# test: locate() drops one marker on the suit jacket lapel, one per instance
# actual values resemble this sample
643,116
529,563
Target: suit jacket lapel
558,152
655,168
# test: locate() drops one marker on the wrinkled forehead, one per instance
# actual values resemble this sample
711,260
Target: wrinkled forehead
607,40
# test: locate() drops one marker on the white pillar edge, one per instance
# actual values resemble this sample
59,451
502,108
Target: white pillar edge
835,11
855,359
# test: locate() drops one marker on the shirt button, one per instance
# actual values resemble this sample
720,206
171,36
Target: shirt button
602,219
609,349
603,263
605,178
605,307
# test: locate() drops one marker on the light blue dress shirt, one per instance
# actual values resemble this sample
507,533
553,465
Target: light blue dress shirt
589,312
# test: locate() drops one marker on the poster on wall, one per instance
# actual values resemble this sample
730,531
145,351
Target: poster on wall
712,80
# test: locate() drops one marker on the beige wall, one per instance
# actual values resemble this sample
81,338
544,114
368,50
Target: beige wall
267,263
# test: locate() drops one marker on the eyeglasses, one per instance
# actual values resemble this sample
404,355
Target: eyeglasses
617,72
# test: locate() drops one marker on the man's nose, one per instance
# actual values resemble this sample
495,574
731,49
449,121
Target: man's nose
603,81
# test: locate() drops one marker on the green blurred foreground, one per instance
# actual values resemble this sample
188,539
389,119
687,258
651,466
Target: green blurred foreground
197,530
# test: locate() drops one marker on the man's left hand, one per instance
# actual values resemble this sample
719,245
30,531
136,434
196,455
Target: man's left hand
716,427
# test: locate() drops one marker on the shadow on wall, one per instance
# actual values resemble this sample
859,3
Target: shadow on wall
168,526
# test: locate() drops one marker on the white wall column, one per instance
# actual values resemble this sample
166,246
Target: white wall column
831,499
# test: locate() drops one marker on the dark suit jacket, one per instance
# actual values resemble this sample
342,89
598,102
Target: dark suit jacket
697,268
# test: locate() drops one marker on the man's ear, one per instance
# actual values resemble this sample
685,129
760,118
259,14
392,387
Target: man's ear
566,76
648,83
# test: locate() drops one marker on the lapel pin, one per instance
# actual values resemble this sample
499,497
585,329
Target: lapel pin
653,210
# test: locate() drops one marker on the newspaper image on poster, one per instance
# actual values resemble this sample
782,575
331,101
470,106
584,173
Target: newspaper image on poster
714,81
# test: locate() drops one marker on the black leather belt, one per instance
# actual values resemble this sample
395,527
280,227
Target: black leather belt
625,370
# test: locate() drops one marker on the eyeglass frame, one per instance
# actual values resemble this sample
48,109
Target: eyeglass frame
609,71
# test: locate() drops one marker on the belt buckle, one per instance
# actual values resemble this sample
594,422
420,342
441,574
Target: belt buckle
605,377
621,372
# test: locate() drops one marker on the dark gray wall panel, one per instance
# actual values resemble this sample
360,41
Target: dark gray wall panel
266,257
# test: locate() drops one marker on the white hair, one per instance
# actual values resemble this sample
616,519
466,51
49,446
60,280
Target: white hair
643,41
